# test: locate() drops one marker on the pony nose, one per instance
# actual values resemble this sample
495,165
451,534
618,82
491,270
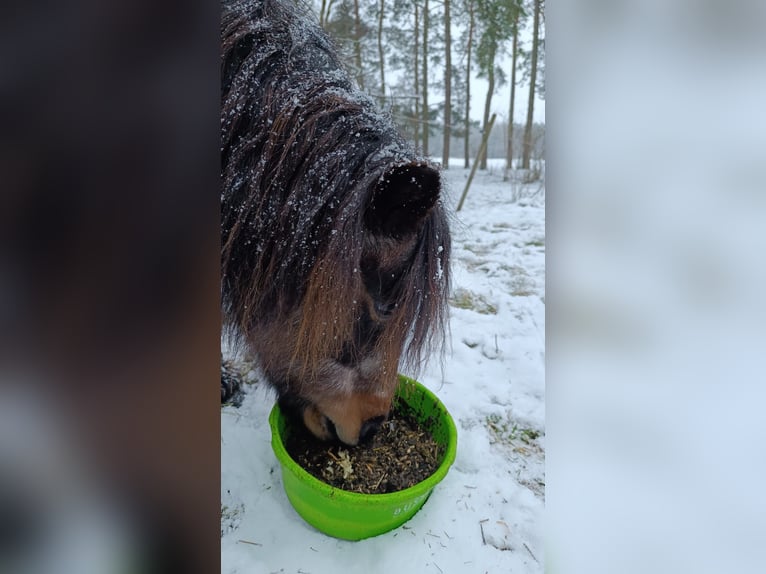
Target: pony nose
370,427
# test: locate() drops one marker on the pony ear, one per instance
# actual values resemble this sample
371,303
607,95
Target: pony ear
402,199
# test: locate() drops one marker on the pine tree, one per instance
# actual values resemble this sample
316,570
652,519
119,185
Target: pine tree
528,142
511,111
447,84
495,19
467,134
381,52
425,109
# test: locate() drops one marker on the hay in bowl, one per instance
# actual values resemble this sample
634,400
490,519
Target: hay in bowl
401,454
343,513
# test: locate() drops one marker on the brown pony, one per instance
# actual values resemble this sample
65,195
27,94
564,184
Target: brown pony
335,244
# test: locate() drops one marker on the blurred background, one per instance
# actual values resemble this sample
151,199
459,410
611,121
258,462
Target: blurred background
656,275
109,297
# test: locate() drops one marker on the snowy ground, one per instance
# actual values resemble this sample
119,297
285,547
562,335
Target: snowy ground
486,516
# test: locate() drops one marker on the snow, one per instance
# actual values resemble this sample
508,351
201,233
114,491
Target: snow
486,516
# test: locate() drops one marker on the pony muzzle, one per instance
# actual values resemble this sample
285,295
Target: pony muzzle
353,421
319,425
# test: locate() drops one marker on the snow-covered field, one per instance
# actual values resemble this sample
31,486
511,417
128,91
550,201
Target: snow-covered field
486,516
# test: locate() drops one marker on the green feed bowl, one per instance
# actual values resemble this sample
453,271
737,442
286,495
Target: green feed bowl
351,515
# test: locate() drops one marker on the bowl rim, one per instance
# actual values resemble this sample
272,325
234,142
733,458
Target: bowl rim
410,493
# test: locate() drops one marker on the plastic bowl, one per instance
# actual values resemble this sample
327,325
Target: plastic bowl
351,515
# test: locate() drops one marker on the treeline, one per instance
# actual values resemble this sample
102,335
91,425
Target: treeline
419,57
497,145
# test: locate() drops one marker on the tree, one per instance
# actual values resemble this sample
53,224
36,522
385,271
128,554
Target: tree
381,53
511,111
417,91
349,25
495,18
425,110
528,143
490,73
447,84
324,11
404,96
358,45
467,134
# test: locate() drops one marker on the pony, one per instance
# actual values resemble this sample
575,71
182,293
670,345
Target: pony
335,241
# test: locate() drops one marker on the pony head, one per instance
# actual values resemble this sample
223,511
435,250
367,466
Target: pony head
335,243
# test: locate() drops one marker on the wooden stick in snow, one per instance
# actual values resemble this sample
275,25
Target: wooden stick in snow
483,145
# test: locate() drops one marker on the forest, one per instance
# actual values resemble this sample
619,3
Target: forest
420,59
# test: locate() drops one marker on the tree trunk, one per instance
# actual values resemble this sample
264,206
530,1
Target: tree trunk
487,103
417,75
532,81
425,78
358,46
514,58
467,136
324,12
381,55
447,84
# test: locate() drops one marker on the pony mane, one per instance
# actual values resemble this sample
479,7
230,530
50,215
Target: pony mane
302,151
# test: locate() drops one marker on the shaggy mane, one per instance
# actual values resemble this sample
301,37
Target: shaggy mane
302,152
